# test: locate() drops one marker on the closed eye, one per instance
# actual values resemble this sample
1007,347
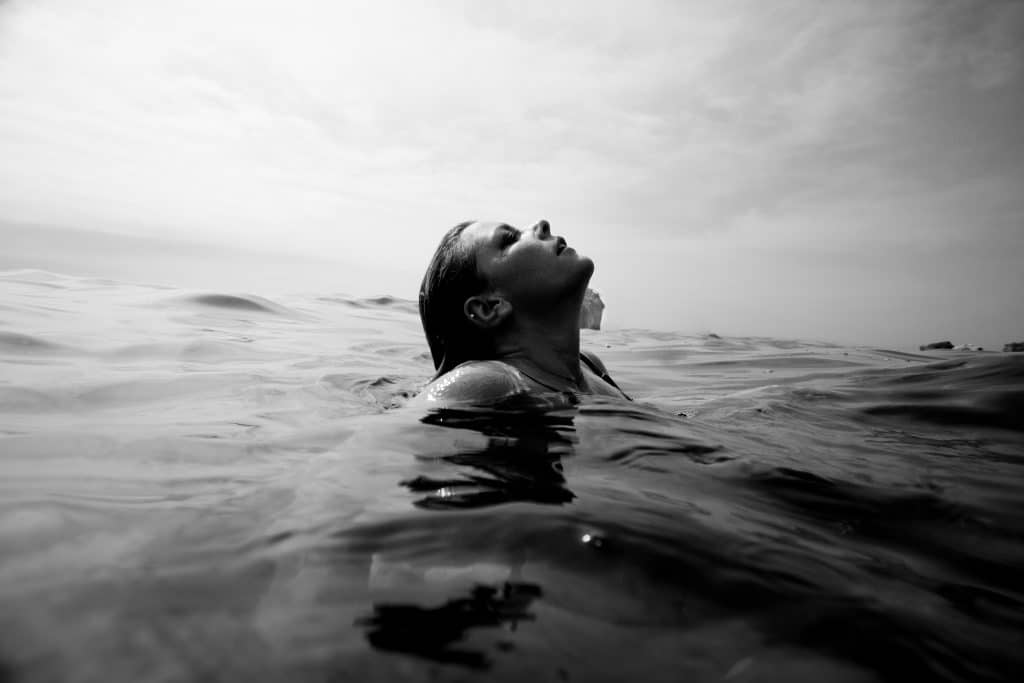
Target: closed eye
508,236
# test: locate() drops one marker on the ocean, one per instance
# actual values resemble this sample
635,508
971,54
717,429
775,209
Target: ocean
227,485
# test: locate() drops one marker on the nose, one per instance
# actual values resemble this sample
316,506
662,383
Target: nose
542,229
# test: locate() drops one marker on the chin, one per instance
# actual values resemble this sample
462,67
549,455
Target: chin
581,277
587,267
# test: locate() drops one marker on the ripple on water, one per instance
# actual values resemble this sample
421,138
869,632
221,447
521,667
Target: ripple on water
376,302
234,303
239,303
127,395
18,343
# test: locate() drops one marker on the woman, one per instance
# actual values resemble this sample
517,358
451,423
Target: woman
501,308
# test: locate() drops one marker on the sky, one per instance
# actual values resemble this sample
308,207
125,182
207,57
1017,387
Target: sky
842,170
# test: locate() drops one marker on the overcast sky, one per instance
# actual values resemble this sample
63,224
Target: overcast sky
842,170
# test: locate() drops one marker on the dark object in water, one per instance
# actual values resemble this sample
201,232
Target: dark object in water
936,345
1014,346
433,633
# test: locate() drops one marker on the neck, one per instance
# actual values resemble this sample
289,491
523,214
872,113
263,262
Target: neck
549,343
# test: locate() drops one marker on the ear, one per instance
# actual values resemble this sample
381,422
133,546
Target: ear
487,311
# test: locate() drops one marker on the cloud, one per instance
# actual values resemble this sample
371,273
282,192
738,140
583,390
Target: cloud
798,126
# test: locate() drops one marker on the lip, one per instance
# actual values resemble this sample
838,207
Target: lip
560,245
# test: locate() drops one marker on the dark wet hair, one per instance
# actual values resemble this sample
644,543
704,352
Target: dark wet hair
451,278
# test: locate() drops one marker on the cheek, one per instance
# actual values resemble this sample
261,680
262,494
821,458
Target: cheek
531,271
538,258
525,263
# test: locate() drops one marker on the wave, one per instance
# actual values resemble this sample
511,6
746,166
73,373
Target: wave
235,302
125,395
1005,411
15,342
385,301
976,391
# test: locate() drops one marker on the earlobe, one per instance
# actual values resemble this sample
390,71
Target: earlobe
487,311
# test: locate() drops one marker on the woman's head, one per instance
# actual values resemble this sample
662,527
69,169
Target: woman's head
484,273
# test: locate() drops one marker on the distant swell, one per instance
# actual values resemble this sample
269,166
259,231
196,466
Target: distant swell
14,342
238,303
373,302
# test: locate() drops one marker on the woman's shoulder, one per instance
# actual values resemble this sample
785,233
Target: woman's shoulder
476,382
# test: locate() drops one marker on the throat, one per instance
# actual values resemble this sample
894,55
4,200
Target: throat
556,381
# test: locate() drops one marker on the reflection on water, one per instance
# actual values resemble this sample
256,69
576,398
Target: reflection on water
433,633
521,460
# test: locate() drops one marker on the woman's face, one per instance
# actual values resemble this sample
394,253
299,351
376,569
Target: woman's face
527,266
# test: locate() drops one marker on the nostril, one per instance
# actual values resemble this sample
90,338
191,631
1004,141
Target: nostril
543,227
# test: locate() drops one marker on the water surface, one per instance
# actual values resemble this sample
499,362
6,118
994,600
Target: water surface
223,485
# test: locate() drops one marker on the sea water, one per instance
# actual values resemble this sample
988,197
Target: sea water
214,485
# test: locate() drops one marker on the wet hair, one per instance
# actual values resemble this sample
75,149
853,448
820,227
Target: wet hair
451,278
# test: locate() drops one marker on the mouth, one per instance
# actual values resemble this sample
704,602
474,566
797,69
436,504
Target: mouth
560,245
